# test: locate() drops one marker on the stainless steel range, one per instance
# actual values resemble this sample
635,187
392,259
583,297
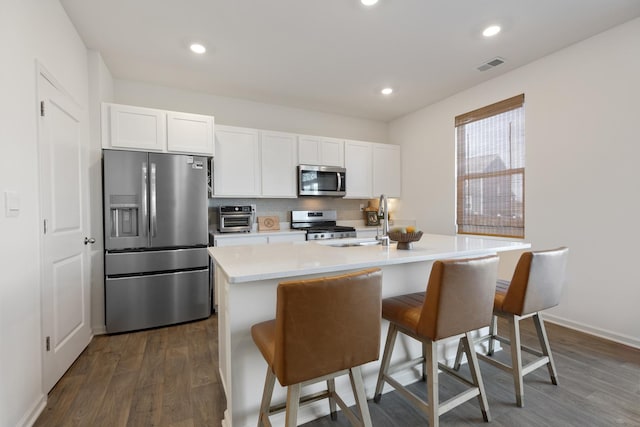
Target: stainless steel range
320,225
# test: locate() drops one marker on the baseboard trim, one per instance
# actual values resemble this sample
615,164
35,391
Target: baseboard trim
34,412
99,330
598,332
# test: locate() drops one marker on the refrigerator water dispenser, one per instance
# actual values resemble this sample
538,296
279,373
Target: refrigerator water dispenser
124,221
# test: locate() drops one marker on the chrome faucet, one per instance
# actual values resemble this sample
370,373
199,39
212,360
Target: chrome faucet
384,238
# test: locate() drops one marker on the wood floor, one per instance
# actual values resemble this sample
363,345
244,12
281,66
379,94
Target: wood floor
159,377
169,377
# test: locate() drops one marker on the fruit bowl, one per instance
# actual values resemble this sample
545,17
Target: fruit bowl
406,239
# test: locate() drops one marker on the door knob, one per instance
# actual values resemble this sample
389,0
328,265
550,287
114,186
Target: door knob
88,240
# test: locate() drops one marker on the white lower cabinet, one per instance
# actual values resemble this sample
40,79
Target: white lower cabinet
241,240
293,237
262,239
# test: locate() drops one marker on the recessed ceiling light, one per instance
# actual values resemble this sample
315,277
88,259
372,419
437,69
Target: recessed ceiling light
387,91
197,48
491,31
368,2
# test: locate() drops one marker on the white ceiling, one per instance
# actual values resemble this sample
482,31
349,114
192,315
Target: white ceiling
333,55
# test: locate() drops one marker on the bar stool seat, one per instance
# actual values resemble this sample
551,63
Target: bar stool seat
324,328
458,300
536,285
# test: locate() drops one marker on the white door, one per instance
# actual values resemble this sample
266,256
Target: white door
63,146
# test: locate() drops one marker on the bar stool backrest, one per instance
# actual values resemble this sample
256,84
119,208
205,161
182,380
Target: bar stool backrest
537,281
326,325
459,297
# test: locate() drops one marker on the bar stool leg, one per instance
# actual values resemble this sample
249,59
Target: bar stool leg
493,332
331,388
424,362
269,382
476,375
458,361
516,358
432,383
357,385
386,359
293,402
546,349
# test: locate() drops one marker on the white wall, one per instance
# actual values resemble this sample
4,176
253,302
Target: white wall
100,90
582,185
239,112
30,30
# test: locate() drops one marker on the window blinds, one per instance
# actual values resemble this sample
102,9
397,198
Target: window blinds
490,169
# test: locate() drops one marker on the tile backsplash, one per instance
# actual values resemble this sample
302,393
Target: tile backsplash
347,209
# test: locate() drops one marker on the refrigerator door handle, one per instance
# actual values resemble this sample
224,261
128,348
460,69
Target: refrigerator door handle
154,211
145,202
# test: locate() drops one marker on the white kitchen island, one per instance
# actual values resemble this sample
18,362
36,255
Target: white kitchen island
246,280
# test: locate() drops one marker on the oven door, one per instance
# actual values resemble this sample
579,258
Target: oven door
321,181
235,222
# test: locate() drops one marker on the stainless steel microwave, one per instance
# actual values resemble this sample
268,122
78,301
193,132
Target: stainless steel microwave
322,181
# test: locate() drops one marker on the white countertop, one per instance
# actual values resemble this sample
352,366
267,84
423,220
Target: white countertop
250,263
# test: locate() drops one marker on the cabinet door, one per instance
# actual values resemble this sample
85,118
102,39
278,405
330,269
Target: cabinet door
387,170
236,169
293,237
190,133
308,150
134,128
318,150
358,162
278,158
332,152
241,240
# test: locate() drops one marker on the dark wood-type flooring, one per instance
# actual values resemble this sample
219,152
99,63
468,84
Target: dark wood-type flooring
169,377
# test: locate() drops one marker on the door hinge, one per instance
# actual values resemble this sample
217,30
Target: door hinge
42,108
47,343
45,226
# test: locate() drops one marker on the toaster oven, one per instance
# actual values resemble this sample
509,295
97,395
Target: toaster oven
235,219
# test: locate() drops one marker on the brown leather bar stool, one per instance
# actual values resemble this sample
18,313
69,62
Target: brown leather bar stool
536,285
324,328
458,300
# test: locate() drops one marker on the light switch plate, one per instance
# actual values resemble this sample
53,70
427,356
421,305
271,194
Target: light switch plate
11,204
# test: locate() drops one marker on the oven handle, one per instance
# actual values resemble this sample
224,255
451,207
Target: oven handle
339,181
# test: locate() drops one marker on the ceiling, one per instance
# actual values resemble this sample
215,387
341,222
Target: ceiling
333,55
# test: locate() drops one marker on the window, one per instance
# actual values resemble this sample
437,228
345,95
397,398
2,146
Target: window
490,169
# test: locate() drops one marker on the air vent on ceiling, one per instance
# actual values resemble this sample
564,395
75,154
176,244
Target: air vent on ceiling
490,64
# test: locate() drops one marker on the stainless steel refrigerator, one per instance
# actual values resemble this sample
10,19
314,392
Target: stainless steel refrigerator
156,238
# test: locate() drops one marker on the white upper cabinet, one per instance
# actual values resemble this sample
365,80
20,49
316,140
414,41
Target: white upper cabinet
387,170
358,162
133,128
236,170
278,159
318,150
126,127
190,133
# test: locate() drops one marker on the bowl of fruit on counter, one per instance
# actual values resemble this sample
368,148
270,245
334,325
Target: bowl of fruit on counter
405,236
